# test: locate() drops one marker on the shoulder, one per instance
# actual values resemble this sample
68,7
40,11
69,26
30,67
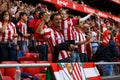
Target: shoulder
11,23
19,23
39,21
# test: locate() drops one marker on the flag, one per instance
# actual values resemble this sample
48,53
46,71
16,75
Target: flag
76,71
60,72
73,71
90,71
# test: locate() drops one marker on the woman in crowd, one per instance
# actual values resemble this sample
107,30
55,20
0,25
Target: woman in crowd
7,38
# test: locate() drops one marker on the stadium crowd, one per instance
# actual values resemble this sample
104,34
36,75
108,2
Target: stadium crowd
68,38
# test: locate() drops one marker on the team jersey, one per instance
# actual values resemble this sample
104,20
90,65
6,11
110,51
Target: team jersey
68,28
9,32
23,29
55,37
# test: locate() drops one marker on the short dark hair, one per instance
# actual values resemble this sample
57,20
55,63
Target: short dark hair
21,14
53,15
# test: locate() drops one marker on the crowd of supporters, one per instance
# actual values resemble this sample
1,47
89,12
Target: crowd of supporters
68,38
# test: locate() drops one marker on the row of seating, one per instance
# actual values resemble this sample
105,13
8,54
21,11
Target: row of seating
8,73
27,58
33,57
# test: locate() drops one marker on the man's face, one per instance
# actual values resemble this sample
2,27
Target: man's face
57,21
64,15
86,28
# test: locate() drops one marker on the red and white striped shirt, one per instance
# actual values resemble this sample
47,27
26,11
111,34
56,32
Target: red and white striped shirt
9,32
55,37
23,29
68,28
80,36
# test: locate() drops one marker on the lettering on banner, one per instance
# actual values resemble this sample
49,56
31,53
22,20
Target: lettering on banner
49,0
63,3
115,18
74,6
102,15
89,10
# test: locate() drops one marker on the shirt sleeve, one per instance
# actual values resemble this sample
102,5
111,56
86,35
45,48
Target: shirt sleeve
85,18
117,39
47,32
31,23
18,25
75,21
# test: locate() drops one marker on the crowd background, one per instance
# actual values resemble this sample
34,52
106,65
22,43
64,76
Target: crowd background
32,17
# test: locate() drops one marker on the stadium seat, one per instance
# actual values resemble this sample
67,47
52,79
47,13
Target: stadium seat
33,56
25,58
30,70
10,71
7,78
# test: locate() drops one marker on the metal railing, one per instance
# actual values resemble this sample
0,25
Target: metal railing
46,64
115,77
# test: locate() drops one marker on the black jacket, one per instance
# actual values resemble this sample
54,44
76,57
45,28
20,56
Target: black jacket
106,53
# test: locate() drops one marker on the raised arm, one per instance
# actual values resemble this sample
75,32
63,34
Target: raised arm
45,18
39,29
86,17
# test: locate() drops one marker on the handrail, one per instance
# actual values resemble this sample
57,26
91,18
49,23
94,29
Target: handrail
46,64
110,77
103,63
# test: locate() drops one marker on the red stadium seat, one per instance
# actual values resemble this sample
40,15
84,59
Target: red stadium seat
33,56
25,58
10,71
30,70
7,78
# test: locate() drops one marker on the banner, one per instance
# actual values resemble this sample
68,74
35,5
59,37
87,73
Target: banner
82,8
73,71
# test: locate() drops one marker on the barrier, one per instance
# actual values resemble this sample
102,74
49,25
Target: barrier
115,77
45,64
